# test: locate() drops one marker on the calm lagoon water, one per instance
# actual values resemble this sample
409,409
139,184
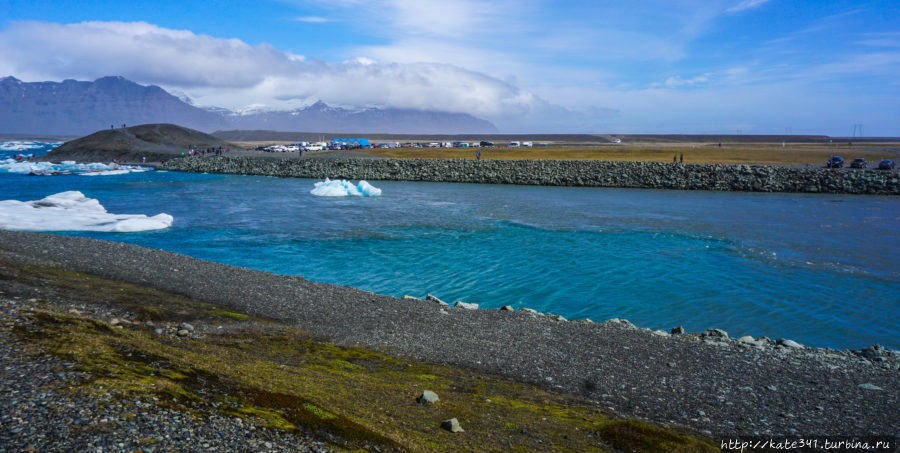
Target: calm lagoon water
820,269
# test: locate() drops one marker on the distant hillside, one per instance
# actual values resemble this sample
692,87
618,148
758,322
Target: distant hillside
500,139
319,117
281,136
75,108
153,141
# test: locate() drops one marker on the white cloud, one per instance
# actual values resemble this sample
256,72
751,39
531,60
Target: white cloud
676,81
313,19
746,5
880,40
431,18
232,73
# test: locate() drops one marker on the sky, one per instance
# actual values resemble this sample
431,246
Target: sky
539,66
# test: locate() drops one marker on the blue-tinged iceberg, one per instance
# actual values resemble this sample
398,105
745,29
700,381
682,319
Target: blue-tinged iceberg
72,211
342,188
26,167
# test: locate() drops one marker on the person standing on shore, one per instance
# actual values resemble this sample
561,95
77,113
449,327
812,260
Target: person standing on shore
681,160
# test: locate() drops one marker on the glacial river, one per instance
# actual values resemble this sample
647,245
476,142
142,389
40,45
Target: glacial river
823,270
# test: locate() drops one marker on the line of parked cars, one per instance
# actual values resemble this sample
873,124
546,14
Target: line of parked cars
838,162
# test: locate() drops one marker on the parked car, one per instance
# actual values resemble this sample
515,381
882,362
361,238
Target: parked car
835,162
858,163
886,164
486,143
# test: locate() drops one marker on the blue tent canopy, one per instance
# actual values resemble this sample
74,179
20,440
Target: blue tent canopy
351,141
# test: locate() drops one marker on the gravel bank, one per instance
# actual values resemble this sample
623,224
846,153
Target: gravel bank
649,175
716,385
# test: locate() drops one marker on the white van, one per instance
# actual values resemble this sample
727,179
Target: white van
513,145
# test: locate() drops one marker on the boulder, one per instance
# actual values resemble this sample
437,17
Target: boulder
466,305
452,425
714,333
790,344
427,397
872,352
431,298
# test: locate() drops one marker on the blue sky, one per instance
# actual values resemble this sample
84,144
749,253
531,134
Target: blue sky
713,66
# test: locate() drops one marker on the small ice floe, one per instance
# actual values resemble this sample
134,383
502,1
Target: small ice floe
67,167
24,146
342,188
72,211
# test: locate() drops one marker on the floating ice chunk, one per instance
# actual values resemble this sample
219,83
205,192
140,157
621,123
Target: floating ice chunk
342,188
105,173
368,190
72,211
144,223
21,146
66,167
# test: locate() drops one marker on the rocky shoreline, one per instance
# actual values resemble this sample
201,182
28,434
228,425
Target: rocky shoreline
714,384
647,175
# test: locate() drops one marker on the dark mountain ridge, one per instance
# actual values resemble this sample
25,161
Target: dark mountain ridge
72,107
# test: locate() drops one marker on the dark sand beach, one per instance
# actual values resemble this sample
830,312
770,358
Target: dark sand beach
706,382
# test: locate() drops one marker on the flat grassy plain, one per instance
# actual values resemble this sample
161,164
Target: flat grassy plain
812,154
696,154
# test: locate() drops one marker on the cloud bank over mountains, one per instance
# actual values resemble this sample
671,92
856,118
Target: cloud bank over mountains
233,74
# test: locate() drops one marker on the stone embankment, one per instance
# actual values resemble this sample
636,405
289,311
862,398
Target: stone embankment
648,175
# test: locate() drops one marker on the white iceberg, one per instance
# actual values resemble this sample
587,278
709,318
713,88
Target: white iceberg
66,167
72,211
342,188
23,146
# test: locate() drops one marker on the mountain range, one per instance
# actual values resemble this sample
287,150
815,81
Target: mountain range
75,107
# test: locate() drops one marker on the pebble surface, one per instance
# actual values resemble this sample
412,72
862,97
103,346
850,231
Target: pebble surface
39,414
714,384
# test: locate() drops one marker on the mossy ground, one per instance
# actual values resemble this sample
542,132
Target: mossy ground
280,377
701,153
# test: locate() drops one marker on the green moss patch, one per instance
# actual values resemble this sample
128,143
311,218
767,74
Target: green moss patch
232,315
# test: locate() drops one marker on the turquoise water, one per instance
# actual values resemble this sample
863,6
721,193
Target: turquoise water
820,269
